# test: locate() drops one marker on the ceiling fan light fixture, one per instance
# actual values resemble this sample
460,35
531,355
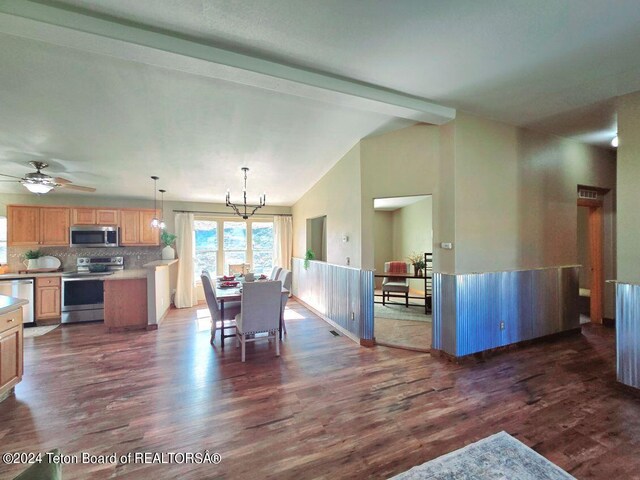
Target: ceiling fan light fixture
37,188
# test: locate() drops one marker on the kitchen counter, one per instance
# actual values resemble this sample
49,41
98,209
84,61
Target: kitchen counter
128,274
8,276
160,263
10,304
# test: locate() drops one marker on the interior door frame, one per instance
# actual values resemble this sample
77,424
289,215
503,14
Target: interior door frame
596,242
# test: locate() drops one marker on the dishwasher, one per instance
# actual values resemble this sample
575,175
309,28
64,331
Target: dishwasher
20,288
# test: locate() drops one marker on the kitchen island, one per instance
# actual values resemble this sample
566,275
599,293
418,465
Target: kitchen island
11,344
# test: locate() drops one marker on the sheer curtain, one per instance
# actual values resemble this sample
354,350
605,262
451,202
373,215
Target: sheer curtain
186,295
282,241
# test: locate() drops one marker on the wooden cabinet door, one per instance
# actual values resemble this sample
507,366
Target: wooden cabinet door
148,234
23,225
106,216
54,226
84,216
129,227
10,357
47,298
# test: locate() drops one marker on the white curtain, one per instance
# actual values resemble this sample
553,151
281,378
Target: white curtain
282,241
186,295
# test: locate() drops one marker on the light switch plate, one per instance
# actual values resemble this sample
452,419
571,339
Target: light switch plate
447,245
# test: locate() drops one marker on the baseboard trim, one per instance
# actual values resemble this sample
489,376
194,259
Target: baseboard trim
342,330
486,354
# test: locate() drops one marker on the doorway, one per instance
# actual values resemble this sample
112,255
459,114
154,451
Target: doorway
402,230
590,256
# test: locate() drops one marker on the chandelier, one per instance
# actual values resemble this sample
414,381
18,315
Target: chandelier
242,210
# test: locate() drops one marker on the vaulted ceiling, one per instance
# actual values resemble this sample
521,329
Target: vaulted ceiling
108,110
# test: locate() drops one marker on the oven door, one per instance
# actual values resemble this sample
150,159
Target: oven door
82,294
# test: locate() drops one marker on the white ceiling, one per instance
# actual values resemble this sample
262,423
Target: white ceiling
394,203
553,65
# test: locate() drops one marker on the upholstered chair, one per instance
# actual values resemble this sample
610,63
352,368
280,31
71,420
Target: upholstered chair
231,309
260,313
392,286
275,271
285,277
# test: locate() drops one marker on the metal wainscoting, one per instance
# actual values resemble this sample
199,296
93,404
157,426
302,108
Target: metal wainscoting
476,312
628,333
342,294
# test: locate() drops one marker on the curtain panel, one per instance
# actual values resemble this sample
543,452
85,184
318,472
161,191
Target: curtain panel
186,295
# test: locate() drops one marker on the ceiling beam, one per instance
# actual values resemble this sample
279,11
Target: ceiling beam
72,29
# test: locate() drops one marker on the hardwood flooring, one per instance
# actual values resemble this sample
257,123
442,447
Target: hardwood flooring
326,408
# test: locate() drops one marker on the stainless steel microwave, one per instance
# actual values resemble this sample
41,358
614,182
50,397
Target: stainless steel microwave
94,236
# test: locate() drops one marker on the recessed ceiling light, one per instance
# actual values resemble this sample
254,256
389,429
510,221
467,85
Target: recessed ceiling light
614,142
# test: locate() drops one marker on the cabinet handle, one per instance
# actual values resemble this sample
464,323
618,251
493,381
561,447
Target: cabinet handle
11,320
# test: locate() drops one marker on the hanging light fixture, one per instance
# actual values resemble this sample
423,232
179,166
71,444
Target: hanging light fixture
243,208
162,224
155,222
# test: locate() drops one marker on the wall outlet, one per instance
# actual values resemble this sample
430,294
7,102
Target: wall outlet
501,325
348,261
446,245
353,316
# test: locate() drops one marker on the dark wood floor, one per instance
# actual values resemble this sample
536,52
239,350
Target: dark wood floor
326,409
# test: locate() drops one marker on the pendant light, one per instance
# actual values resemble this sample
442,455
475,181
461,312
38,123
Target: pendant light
155,223
162,224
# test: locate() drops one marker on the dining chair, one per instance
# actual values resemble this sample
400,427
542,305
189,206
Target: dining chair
285,276
275,271
260,313
236,268
398,285
231,309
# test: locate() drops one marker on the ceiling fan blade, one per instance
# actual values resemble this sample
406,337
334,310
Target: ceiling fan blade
10,176
71,186
61,181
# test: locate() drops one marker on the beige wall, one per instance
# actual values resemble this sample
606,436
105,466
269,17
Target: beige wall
584,256
401,163
336,195
383,240
628,225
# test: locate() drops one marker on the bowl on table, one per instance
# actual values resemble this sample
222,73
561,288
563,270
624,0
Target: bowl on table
228,284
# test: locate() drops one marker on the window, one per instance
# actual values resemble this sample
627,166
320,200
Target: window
235,244
3,240
262,247
206,249
221,242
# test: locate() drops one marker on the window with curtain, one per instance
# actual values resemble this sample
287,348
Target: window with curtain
206,248
262,247
221,242
3,240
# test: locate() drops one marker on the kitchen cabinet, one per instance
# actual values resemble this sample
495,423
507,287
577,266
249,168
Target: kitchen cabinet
136,229
23,225
94,216
11,351
54,226
33,226
48,299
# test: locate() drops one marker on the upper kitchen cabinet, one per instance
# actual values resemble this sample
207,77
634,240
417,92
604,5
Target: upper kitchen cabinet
32,226
136,229
54,226
94,216
23,225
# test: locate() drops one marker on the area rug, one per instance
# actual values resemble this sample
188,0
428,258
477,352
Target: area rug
499,456
400,312
29,332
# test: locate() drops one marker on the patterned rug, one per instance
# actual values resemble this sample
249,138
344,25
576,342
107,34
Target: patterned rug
29,332
400,312
499,456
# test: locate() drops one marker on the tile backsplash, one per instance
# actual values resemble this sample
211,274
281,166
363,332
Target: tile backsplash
134,257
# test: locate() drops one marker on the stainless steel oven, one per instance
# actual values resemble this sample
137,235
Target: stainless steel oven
94,236
83,290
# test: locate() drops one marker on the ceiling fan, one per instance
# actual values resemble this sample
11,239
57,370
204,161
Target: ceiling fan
40,183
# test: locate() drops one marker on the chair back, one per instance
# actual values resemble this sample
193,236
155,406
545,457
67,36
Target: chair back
236,268
261,306
210,295
275,271
395,267
285,277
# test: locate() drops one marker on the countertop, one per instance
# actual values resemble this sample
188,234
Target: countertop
10,304
127,274
160,263
5,276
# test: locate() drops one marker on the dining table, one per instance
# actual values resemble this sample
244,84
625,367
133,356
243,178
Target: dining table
234,294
